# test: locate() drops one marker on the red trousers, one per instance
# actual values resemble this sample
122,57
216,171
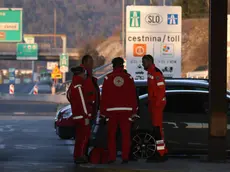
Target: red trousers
122,119
81,140
157,116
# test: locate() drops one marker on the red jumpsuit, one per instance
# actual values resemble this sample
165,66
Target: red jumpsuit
157,99
118,103
80,116
92,93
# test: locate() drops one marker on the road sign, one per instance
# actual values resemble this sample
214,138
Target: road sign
11,24
29,40
154,30
27,51
51,65
56,73
64,63
12,75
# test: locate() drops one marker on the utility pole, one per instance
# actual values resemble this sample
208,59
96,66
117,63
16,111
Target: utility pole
55,27
123,27
2,3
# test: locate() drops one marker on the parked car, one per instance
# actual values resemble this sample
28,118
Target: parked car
63,121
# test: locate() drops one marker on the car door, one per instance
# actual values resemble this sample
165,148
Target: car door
184,116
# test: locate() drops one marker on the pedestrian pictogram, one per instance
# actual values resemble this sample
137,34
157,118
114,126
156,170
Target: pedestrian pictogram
56,73
35,90
11,89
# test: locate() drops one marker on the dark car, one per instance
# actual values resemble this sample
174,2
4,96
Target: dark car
63,120
185,123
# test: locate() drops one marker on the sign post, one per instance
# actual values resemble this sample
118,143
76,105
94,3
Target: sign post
11,24
154,30
27,51
64,65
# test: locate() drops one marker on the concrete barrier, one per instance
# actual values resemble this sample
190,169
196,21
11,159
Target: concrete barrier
59,99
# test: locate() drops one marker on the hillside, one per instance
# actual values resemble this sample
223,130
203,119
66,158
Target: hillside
81,20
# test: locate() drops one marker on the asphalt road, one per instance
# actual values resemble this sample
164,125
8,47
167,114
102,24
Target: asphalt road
18,88
26,107
28,143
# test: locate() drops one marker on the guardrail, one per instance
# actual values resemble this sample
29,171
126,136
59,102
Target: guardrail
59,99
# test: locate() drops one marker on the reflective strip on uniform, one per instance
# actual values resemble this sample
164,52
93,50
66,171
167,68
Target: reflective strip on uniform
119,108
150,76
106,77
160,147
164,99
82,100
77,117
160,142
160,83
79,85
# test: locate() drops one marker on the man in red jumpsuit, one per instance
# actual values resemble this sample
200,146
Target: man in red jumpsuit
91,89
119,106
80,112
157,100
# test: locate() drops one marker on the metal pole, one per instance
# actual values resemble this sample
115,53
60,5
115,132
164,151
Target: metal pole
163,2
33,70
55,27
217,80
123,27
64,44
134,2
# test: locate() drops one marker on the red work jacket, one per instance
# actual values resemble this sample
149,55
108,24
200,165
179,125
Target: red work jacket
156,86
118,93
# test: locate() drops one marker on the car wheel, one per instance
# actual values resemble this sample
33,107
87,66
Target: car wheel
62,135
143,145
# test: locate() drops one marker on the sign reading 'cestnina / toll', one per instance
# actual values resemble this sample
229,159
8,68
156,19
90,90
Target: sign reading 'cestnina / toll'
156,31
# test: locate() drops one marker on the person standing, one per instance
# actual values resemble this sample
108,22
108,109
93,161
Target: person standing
91,87
80,112
119,106
157,100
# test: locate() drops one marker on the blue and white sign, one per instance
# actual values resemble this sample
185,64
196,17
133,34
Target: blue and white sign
12,75
154,30
172,19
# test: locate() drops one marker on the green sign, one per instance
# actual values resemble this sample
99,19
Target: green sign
27,51
64,63
10,25
135,19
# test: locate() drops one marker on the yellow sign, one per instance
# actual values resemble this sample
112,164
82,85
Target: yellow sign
56,73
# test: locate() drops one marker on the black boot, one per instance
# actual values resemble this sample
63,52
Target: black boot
81,160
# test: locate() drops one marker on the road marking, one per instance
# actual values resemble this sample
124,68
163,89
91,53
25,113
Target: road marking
6,128
29,130
19,113
70,146
33,147
2,146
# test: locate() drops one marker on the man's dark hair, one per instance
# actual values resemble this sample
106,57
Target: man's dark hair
85,58
149,57
118,62
78,70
